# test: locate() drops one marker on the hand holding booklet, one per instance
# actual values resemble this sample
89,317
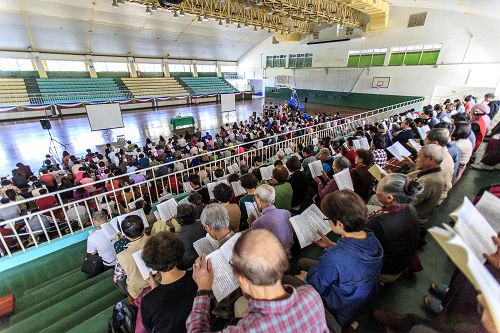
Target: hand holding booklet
167,209
225,281
266,172
377,172
206,245
467,257
344,180
316,168
309,224
398,151
143,269
238,189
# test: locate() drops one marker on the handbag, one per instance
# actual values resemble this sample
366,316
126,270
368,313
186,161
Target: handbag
92,264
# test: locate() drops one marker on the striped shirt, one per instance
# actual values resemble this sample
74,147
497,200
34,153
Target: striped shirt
301,312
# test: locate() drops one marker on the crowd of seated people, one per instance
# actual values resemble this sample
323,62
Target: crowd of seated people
376,229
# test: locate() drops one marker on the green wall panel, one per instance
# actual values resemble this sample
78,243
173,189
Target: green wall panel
353,61
19,74
365,60
62,74
112,74
396,59
378,60
354,100
412,58
429,58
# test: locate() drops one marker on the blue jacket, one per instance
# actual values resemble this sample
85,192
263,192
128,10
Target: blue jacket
346,276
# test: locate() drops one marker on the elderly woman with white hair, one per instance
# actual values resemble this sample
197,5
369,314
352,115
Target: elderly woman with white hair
396,225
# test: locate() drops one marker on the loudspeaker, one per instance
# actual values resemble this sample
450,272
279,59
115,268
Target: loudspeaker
45,124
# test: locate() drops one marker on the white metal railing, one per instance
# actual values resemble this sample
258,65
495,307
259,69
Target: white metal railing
68,219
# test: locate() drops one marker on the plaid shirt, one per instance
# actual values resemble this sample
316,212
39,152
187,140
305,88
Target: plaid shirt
302,311
380,157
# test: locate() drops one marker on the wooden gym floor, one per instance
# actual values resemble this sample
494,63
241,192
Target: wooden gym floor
25,141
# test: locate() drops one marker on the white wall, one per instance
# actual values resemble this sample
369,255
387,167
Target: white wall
460,65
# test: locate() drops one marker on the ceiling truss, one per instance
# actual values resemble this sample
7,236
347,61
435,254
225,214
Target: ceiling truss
285,16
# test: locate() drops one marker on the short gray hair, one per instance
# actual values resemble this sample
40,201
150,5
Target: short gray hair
440,135
100,215
266,193
342,163
433,151
325,151
215,216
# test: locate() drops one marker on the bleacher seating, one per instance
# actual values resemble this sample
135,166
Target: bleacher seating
148,87
13,92
207,85
66,90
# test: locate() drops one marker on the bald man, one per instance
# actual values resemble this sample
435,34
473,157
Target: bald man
259,262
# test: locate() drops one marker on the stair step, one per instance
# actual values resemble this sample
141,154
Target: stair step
95,324
56,312
81,315
29,305
54,288
53,280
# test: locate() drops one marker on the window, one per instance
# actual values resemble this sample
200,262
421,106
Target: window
12,64
111,66
426,54
65,66
276,61
206,68
228,69
179,68
300,60
366,58
149,68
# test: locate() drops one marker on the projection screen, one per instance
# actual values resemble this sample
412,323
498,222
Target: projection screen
104,116
227,102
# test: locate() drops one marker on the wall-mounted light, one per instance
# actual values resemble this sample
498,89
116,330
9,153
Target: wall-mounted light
148,10
175,14
115,4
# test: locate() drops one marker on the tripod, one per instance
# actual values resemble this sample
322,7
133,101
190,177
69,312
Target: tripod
53,145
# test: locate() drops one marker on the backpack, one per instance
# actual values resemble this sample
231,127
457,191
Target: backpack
123,318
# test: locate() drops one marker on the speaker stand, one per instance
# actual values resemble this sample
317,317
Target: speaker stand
54,144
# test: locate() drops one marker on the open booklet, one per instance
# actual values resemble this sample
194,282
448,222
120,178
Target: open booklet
398,151
238,189
225,281
377,172
266,172
316,168
474,229
251,208
414,144
143,269
112,228
489,207
361,144
468,260
422,131
344,180
167,209
289,151
211,186
187,187
296,155
206,245
233,168
308,224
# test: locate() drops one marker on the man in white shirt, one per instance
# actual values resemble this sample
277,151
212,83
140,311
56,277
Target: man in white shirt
98,243
78,213
181,142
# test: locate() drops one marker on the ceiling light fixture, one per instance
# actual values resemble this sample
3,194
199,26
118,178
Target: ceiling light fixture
153,7
228,21
148,10
115,4
205,17
199,19
220,22
121,2
238,26
255,28
181,13
175,14
259,3
270,11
